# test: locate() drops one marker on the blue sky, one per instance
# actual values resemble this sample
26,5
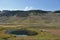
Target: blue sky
29,4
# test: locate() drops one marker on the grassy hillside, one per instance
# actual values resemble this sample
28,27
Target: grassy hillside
45,23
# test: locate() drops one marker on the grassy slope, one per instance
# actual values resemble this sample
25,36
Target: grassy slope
51,21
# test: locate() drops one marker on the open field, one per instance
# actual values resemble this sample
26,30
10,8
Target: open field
46,34
46,24
54,31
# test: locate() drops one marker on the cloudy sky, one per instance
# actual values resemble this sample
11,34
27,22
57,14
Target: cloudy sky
29,4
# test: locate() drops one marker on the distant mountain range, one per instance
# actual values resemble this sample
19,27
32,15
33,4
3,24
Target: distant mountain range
20,13
19,16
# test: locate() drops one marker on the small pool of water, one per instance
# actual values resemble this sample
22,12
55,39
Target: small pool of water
22,32
21,35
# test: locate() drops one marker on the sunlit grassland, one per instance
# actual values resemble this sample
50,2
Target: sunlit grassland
33,25
44,35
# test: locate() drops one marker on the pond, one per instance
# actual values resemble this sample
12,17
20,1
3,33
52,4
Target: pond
22,32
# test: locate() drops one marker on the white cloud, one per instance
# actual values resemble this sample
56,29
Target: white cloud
28,8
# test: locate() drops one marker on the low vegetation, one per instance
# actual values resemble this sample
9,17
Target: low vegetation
45,24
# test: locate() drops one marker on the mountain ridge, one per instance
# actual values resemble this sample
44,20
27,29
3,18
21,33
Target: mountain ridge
18,16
